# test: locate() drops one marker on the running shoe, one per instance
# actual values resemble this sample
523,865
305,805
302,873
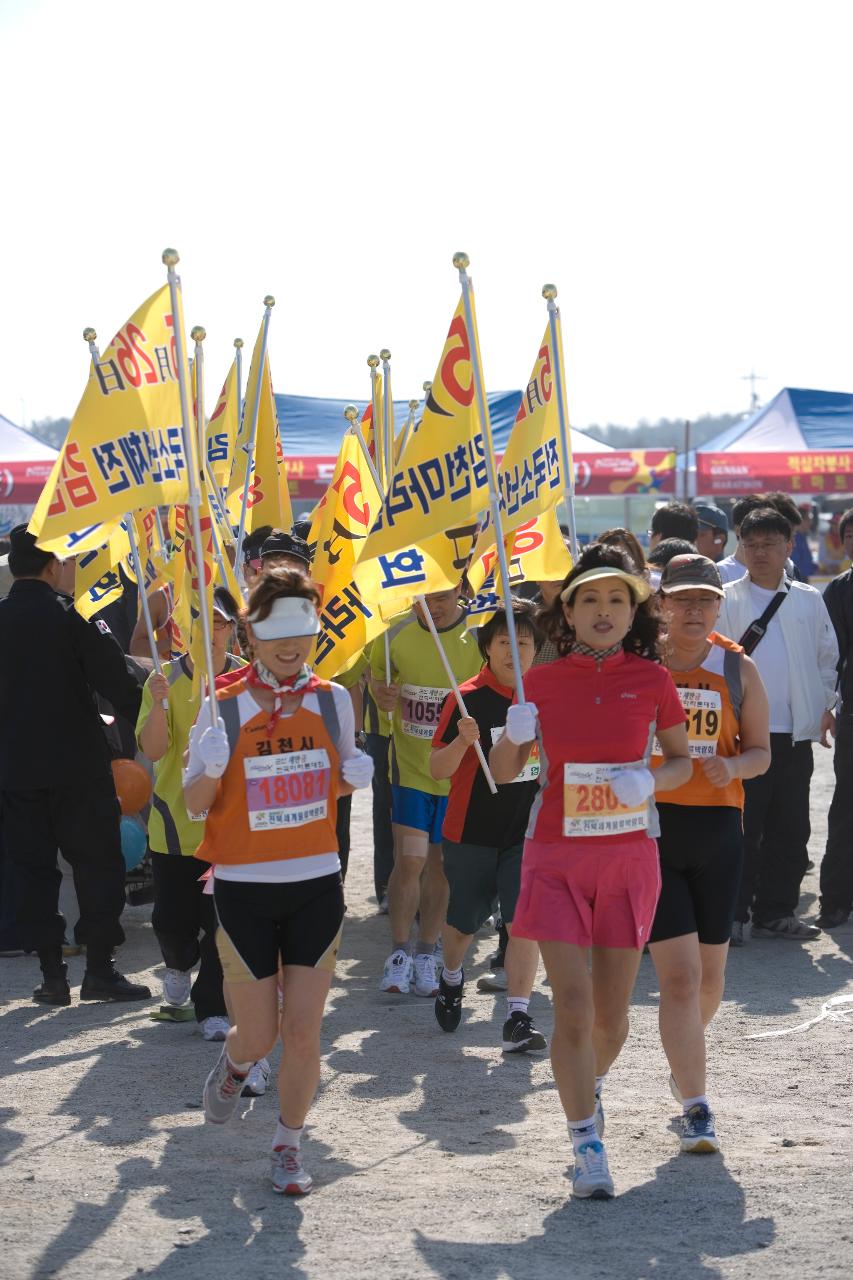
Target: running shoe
833,919
426,981
737,938
520,1035
257,1079
697,1130
398,973
222,1091
215,1028
674,1090
591,1179
789,928
494,980
448,1005
176,987
599,1117
288,1175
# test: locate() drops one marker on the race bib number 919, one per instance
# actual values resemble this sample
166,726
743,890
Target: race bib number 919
591,809
287,790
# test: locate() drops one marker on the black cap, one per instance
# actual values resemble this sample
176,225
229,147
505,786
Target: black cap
284,544
691,573
26,560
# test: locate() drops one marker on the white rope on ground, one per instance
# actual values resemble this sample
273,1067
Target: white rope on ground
829,1010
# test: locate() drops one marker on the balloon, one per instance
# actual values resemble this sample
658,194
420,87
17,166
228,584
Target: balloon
133,786
132,843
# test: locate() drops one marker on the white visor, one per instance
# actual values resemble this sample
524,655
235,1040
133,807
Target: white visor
289,616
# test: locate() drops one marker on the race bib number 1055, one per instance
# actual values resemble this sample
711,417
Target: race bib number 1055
420,709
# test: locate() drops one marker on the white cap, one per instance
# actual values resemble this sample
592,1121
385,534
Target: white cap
289,616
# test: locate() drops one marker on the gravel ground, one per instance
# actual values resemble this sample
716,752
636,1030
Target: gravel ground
432,1155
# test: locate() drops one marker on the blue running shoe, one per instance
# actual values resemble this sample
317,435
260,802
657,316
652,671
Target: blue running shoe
591,1179
697,1131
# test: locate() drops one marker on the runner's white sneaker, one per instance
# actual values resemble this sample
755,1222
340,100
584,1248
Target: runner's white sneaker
176,987
257,1079
222,1091
397,974
215,1028
592,1180
426,980
288,1176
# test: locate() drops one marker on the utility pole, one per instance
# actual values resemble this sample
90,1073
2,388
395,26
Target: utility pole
752,378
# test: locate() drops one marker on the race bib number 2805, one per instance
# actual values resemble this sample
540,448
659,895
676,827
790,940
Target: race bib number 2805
591,809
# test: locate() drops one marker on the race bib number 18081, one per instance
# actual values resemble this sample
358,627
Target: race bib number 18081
287,790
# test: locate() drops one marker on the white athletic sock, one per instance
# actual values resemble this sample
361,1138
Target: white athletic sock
599,1084
582,1131
453,977
687,1103
238,1068
285,1137
516,1004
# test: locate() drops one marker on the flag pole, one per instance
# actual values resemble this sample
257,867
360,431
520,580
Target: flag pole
478,748
269,303
387,415
414,405
460,261
238,360
549,293
170,261
376,415
351,415
198,334
90,337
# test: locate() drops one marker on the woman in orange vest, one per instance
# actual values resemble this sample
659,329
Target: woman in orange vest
269,776
701,823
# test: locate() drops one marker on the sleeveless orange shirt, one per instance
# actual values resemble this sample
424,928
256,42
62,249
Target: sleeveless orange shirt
277,798
711,695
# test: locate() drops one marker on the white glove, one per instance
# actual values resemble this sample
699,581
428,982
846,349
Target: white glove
357,771
521,723
214,750
632,786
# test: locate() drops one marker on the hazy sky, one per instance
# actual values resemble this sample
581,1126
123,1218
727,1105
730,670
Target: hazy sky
680,170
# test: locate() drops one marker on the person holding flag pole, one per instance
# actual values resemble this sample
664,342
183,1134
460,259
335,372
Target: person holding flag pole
549,292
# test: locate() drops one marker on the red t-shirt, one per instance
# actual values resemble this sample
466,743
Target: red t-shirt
593,712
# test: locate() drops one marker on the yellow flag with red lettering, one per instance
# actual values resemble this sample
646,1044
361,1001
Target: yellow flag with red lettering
264,505
124,448
440,483
341,523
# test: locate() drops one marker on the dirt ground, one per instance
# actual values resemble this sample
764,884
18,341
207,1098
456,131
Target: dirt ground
432,1155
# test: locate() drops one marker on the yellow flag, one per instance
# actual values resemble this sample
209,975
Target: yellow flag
148,544
264,501
440,484
341,523
221,432
97,582
124,448
530,477
536,552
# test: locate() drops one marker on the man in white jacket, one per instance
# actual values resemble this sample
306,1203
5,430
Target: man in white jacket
796,655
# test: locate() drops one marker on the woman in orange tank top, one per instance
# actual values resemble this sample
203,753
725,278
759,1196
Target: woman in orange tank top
701,840
268,776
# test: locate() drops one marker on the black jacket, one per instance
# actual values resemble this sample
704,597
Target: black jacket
838,598
51,662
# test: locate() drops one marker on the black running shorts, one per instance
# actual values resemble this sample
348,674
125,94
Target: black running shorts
701,854
480,878
264,925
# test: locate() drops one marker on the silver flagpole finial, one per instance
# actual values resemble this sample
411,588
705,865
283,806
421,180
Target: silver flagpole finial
373,361
427,387
384,354
413,405
238,343
171,257
351,413
89,335
198,333
461,261
549,292
269,300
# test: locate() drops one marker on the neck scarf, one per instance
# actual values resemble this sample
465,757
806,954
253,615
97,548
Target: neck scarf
260,676
586,651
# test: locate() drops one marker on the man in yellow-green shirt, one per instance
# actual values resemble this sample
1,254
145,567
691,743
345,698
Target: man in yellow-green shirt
415,696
